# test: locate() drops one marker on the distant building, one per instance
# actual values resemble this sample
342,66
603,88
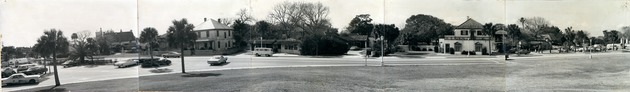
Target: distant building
291,46
468,37
122,41
213,38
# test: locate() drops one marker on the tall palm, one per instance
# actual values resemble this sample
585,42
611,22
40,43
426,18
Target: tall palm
149,35
489,29
179,35
54,38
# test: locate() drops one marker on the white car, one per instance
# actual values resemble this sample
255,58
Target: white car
217,60
171,54
20,78
25,66
125,63
263,52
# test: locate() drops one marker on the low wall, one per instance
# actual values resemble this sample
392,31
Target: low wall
199,52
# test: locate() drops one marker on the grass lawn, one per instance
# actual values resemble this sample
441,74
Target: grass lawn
317,79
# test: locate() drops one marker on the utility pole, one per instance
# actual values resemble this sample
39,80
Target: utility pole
382,50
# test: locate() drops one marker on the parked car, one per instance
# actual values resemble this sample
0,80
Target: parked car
217,60
25,66
171,54
70,63
6,72
20,78
263,52
35,70
5,63
155,62
126,63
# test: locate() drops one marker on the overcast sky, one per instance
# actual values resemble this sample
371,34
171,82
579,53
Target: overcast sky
23,21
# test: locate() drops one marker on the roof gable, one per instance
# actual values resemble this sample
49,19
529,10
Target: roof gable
211,25
470,23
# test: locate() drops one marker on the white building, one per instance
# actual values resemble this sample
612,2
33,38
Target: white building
213,37
468,37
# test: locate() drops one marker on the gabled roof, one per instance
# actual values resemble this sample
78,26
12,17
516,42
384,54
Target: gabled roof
122,36
211,25
470,23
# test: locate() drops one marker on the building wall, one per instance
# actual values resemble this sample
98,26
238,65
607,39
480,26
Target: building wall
467,45
215,34
217,40
468,32
290,48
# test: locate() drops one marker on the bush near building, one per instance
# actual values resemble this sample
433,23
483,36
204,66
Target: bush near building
323,45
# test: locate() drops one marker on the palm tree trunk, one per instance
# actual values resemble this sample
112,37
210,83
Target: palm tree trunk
182,57
150,51
55,66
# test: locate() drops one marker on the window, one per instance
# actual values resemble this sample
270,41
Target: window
229,33
479,33
198,34
218,44
458,46
478,47
217,33
464,32
224,35
207,33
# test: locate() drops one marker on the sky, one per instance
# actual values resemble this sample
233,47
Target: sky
23,21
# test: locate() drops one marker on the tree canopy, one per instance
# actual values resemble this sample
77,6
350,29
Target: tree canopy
425,28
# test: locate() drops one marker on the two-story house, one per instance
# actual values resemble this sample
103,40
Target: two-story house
213,37
468,37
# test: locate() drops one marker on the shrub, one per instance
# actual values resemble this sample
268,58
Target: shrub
323,45
472,52
435,49
484,51
451,50
464,53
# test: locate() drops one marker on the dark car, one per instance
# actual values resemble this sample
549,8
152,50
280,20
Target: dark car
70,63
155,62
35,70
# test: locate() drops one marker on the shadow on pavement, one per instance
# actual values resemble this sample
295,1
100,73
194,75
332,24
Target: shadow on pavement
53,89
200,74
161,70
222,64
19,85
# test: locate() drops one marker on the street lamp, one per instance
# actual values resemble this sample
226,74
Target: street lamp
503,33
590,52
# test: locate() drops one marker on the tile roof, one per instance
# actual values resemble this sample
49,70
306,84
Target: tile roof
470,23
210,25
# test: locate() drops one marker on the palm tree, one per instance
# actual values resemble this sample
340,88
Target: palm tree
149,35
181,34
488,29
55,39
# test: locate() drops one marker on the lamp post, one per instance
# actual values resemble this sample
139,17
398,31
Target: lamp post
503,33
590,52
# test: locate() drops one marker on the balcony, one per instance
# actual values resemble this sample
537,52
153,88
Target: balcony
452,37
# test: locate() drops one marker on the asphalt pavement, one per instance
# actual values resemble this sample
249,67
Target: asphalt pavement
198,63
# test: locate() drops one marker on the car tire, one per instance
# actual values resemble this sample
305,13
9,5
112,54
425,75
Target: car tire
268,55
32,81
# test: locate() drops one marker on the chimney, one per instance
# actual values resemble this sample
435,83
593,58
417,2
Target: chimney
219,20
467,17
205,19
121,30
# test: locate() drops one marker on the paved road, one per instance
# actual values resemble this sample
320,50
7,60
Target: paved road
197,63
